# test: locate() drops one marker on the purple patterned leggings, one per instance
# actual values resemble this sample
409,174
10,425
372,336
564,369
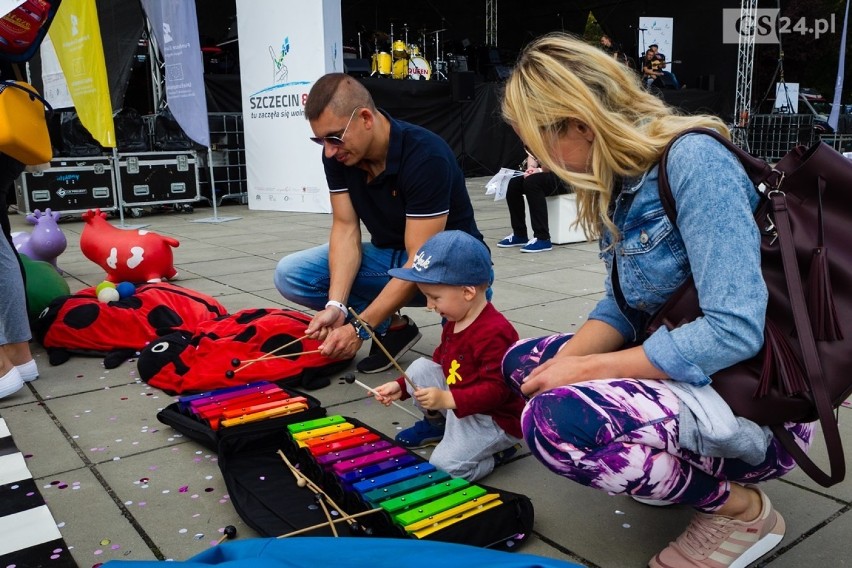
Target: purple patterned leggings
621,436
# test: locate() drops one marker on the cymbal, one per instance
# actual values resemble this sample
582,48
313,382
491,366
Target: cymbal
380,35
436,31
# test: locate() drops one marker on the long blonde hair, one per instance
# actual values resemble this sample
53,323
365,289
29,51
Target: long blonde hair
559,79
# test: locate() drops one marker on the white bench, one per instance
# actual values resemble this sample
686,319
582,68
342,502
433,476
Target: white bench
561,213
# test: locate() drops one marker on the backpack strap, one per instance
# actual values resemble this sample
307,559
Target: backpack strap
759,172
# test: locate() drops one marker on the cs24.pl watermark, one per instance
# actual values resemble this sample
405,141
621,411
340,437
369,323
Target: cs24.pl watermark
768,24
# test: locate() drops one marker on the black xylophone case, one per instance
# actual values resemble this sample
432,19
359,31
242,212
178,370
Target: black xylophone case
265,495
199,431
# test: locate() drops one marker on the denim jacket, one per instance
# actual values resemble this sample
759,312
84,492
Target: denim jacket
716,241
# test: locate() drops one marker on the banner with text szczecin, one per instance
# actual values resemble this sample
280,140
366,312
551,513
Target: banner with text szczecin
285,46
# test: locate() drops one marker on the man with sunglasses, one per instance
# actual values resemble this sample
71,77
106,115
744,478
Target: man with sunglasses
404,184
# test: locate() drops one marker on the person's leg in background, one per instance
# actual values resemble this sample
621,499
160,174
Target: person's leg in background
537,188
517,214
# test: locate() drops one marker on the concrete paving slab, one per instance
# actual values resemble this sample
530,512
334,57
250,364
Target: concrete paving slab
177,495
94,526
42,441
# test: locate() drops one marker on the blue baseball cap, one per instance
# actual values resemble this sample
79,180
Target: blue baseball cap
454,258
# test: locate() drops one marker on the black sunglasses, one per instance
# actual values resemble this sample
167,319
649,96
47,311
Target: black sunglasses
332,139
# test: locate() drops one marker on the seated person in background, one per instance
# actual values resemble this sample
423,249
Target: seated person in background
650,68
537,184
469,408
668,79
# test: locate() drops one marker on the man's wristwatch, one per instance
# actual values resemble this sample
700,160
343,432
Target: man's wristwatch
362,333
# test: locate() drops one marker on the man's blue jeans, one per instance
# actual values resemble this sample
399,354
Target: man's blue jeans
303,278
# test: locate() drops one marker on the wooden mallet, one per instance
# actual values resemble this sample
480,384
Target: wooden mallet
350,378
236,362
230,533
369,329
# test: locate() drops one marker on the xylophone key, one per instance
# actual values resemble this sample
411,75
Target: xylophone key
356,475
382,494
350,453
339,443
393,477
314,424
324,431
340,468
424,495
431,508
437,522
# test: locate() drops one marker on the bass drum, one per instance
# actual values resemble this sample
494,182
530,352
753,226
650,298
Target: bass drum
419,69
381,64
400,69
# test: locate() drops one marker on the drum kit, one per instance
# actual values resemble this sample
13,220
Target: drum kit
397,58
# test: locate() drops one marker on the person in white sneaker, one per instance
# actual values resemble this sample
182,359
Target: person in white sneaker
16,361
613,407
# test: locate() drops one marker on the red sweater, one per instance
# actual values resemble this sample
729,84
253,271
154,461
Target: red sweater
471,362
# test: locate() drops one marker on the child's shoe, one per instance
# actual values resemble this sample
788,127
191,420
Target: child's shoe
504,456
423,433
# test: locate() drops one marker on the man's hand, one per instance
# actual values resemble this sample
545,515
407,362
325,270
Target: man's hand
341,343
324,323
433,398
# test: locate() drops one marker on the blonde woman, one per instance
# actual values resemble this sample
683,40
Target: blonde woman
663,433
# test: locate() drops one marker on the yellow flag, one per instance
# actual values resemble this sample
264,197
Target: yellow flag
76,35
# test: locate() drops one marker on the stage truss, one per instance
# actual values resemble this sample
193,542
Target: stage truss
491,22
745,68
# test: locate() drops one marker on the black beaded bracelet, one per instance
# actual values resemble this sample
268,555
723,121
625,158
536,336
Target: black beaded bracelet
362,333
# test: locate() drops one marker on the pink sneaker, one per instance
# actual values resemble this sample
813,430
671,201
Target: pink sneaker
714,541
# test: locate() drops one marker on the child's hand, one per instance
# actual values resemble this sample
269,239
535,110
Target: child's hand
433,398
388,392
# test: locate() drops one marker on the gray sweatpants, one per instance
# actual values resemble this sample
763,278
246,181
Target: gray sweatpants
469,443
14,325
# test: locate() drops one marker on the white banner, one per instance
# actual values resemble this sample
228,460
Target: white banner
657,31
285,46
55,88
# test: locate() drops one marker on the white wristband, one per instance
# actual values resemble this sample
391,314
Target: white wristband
339,306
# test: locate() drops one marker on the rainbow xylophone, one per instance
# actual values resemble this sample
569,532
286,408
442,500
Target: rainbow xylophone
365,470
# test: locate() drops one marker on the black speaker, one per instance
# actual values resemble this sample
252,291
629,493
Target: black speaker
357,67
462,83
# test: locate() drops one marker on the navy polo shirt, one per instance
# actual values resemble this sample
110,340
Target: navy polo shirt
421,179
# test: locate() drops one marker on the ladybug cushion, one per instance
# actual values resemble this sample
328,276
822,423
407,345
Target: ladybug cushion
249,346
81,324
